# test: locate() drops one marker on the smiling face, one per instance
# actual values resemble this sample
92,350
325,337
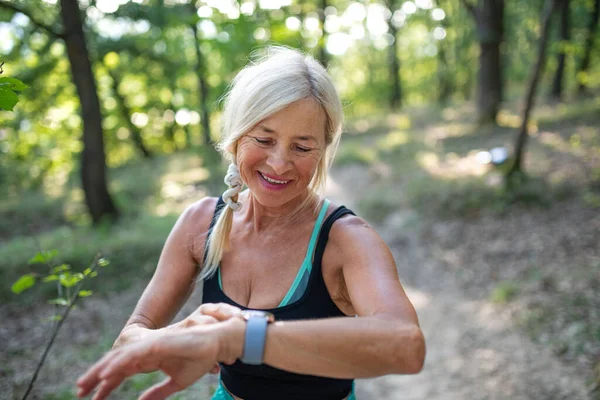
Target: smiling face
279,156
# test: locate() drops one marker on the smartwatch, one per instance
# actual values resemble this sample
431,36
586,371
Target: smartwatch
256,335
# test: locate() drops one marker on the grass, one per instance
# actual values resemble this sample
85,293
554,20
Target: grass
504,292
150,195
434,159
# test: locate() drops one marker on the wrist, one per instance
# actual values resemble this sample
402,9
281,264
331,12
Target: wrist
231,344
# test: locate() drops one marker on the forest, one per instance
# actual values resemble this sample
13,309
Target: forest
471,143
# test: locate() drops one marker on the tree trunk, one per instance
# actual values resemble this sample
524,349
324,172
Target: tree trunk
202,87
565,37
490,32
589,44
93,161
323,57
394,64
444,70
489,19
537,71
136,134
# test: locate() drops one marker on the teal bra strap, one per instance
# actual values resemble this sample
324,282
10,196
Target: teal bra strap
306,266
307,263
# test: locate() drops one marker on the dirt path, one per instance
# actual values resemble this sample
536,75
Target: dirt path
473,350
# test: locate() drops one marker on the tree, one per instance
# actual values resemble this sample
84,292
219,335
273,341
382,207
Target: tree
537,70
202,85
565,37
322,56
394,62
589,44
134,131
489,19
93,159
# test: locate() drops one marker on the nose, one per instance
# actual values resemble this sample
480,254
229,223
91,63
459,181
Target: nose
279,160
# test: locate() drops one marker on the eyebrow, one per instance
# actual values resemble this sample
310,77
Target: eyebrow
302,137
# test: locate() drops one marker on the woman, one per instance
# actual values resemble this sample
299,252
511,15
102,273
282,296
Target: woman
277,247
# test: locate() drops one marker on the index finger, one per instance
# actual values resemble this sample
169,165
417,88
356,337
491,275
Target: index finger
91,378
220,311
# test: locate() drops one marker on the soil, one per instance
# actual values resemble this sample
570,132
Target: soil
474,348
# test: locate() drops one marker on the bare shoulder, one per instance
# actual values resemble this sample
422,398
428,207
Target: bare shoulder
351,234
194,223
200,213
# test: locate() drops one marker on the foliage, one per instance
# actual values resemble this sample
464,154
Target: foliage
69,286
66,280
9,89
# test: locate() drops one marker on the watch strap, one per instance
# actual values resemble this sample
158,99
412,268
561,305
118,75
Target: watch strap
254,341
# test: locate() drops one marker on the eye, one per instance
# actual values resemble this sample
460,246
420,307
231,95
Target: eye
303,149
262,141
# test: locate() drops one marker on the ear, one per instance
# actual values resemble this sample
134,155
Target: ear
232,149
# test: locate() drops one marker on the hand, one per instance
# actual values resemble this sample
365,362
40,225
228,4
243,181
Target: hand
185,355
207,314
131,334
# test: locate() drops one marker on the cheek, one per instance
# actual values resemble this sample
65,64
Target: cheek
247,157
309,164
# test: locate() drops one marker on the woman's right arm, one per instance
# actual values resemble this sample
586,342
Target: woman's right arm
175,275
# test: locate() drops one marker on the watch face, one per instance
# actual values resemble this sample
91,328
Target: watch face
258,314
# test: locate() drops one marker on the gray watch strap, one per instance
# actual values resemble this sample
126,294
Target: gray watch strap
254,342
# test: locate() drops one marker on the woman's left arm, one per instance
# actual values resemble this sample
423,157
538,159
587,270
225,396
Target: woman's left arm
385,338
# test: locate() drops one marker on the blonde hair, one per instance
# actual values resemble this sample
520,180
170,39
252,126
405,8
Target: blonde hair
264,87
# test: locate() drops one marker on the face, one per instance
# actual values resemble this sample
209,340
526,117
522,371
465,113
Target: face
279,156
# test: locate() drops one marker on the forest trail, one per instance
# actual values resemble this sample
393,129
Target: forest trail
473,349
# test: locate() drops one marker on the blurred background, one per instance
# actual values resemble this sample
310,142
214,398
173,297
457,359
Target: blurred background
472,143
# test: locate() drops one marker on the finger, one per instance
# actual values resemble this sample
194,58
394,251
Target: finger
140,357
107,386
91,378
198,319
220,311
216,369
161,390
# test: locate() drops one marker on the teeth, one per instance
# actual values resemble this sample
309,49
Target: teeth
273,180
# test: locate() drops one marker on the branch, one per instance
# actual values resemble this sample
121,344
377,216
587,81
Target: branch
470,7
49,29
57,327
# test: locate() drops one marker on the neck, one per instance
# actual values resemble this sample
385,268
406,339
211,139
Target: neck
264,217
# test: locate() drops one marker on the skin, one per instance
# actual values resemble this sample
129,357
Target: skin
358,270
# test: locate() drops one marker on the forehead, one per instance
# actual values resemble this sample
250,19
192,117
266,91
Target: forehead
301,118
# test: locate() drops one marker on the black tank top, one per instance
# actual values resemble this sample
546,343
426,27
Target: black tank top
262,382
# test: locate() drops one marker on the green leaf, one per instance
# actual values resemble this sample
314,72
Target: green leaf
103,262
68,280
54,318
60,301
61,268
8,99
85,293
50,278
43,257
13,83
23,283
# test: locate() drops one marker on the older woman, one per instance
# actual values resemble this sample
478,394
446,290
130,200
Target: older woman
328,304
